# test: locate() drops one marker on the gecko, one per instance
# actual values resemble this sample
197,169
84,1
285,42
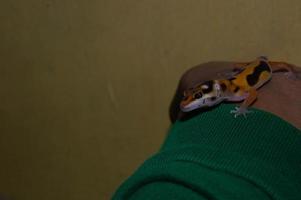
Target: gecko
242,85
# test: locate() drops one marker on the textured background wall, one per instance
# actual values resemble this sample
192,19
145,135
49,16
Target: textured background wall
85,85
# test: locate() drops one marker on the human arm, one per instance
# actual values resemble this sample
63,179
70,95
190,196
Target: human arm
212,155
281,96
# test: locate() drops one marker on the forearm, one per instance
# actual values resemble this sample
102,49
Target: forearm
215,155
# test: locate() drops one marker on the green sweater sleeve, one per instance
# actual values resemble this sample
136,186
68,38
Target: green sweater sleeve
216,156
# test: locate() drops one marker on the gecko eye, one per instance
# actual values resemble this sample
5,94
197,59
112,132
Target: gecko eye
198,95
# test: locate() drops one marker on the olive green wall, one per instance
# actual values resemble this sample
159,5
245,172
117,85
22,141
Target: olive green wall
85,85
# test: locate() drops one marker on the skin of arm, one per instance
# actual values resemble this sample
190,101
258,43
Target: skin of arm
281,96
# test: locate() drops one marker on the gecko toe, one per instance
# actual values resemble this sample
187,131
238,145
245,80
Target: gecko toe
240,111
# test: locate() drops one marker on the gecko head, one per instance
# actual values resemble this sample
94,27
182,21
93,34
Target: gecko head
202,95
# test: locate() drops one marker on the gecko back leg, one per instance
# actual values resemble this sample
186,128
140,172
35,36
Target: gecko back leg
288,68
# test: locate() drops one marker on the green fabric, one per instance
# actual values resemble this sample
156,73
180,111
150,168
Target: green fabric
216,156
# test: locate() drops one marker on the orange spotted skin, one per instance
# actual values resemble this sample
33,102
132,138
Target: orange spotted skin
241,86
254,75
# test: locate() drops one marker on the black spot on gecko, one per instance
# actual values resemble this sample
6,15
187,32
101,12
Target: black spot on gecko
236,89
209,85
253,78
223,86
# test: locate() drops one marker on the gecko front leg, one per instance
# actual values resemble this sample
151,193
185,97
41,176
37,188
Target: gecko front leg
241,111
243,108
